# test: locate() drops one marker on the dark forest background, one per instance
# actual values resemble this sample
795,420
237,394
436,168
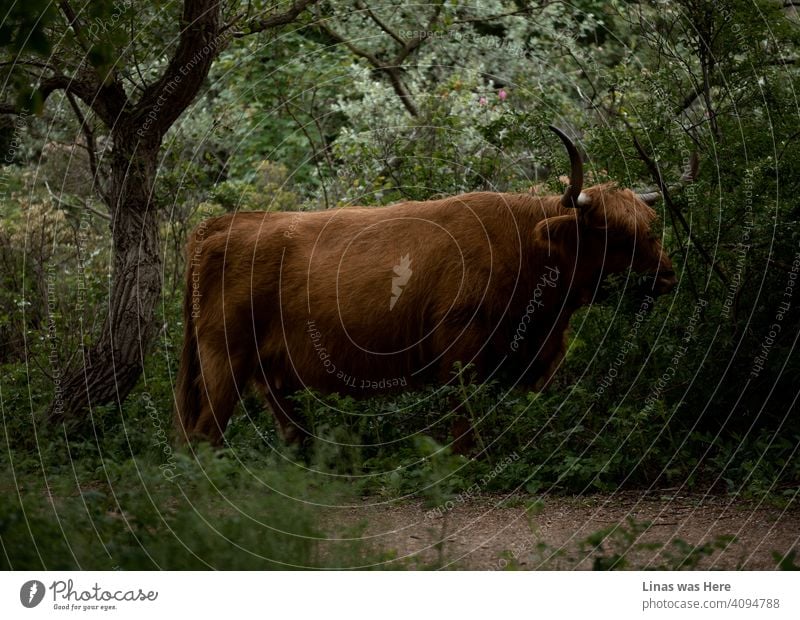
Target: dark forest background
123,125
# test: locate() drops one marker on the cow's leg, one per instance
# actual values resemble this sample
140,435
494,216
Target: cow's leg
551,356
464,348
291,424
461,427
223,378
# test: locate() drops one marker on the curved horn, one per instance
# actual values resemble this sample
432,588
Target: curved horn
649,198
573,191
689,175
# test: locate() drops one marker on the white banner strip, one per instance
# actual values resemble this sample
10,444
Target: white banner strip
401,595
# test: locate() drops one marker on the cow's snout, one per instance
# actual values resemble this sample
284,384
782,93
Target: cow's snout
664,282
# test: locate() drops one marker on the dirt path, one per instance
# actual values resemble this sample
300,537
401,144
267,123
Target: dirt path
486,533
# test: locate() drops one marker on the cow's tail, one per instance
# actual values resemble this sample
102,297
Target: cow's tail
187,393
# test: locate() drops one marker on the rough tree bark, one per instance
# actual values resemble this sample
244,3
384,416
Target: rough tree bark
112,366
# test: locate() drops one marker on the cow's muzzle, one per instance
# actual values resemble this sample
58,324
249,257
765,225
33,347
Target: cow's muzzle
663,282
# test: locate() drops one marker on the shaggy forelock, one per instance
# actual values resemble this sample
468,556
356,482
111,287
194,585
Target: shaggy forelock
619,210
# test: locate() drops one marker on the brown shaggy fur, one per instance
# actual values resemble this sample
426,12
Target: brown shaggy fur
363,300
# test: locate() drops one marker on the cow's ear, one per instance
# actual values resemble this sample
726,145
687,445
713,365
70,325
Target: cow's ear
557,233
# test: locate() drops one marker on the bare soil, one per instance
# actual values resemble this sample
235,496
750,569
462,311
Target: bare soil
493,533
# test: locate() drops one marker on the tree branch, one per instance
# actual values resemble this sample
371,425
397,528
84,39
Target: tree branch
91,145
63,203
46,87
687,101
273,21
656,174
30,63
134,57
490,18
414,43
357,51
302,126
74,23
782,62
380,23
199,43
393,69
400,88
107,101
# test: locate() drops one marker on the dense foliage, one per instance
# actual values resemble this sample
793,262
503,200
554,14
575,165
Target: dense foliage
697,392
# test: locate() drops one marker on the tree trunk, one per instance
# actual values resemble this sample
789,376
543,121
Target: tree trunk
112,366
